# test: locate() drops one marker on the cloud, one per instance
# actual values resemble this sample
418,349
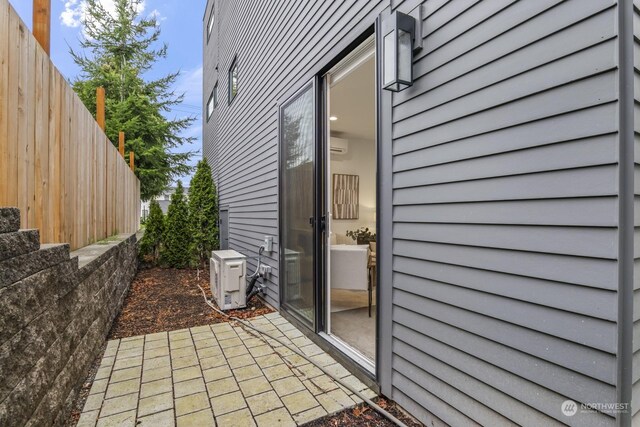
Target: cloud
72,14
190,83
75,11
155,14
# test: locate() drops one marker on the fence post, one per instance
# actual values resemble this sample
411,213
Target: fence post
131,165
121,143
100,108
42,23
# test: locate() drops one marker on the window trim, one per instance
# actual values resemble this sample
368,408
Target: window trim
210,23
234,66
215,95
210,101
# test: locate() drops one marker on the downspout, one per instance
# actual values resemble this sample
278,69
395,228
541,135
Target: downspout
625,209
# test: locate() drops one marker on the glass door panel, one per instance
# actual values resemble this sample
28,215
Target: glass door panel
350,204
297,203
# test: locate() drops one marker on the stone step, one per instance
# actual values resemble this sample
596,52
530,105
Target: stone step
18,243
9,220
17,268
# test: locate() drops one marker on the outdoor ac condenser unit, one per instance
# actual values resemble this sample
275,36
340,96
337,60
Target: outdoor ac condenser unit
228,279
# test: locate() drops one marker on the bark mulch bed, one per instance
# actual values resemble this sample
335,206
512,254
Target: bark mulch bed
364,416
166,299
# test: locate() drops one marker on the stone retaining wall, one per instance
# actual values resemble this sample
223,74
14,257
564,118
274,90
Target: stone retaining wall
56,309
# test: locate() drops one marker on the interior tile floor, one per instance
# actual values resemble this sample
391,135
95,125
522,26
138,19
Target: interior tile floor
216,375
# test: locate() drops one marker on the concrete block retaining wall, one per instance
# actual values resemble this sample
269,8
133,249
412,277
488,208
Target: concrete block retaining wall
56,309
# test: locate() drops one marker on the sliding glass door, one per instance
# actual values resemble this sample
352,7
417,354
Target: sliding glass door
297,203
350,204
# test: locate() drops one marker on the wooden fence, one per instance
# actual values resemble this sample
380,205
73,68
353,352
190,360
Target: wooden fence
56,163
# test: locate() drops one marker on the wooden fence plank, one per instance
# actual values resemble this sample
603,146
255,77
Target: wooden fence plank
4,106
25,125
55,105
41,144
64,149
11,173
78,165
71,213
30,107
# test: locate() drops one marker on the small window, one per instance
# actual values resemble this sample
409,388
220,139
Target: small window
210,24
215,95
233,80
210,105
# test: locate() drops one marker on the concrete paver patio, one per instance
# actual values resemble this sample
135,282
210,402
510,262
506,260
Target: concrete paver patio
192,377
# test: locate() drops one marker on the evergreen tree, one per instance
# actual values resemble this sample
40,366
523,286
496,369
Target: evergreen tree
153,234
203,211
117,50
176,249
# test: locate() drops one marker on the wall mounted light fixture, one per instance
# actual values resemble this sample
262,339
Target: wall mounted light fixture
401,36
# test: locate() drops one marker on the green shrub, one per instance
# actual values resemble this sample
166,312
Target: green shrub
153,235
203,211
176,249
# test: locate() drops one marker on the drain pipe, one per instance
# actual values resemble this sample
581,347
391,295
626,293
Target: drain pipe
349,387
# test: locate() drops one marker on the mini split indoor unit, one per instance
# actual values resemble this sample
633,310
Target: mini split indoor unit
228,270
339,145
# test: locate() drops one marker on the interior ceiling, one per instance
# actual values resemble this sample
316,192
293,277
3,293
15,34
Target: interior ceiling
353,101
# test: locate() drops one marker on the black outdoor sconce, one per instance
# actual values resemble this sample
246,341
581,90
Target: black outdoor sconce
401,36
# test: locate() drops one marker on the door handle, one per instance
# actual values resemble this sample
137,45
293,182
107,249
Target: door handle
312,221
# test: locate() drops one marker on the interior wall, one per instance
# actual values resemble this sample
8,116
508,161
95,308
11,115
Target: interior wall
360,160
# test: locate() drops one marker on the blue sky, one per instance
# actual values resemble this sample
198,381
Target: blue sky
181,27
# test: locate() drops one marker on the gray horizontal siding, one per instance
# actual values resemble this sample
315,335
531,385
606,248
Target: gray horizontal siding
551,352
273,60
596,273
478,379
505,212
210,76
595,302
579,153
505,49
590,122
584,211
596,243
635,397
577,329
